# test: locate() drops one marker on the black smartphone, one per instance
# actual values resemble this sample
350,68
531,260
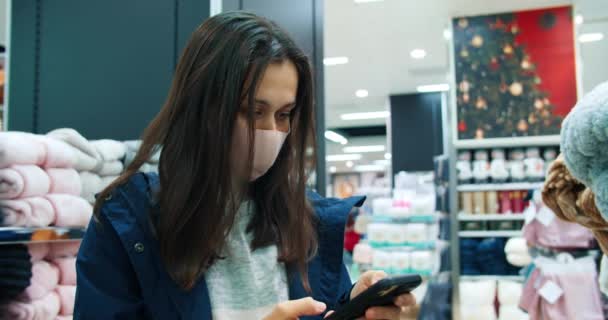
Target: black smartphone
382,293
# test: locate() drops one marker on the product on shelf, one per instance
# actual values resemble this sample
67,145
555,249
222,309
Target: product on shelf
400,262
464,167
382,205
396,234
498,166
481,167
517,201
416,233
467,202
505,202
378,233
479,202
550,154
381,260
534,165
421,261
516,165
473,225
362,253
492,206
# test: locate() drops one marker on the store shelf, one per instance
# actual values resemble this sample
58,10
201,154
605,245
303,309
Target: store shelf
412,246
489,234
490,277
500,186
517,142
425,218
10,235
490,217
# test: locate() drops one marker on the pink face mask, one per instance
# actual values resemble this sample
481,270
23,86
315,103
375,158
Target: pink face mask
268,144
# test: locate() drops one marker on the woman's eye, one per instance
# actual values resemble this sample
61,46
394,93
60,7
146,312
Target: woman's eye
258,113
284,116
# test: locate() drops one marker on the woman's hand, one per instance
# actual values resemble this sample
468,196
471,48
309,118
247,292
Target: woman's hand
389,313
293,309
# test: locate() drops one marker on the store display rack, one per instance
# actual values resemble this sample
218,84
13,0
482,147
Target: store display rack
500,186
417,218
490,234
491,277
490,217
12,235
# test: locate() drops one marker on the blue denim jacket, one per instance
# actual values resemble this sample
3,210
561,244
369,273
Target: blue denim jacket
121,275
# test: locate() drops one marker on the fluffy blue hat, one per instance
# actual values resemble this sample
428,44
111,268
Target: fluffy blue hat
584,143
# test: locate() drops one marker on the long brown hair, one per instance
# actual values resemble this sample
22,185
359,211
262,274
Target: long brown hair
218,71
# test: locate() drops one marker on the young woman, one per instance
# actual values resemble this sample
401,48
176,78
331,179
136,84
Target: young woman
226,230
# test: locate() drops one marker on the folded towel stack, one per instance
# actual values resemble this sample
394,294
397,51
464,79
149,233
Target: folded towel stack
52,288
149,166
98,162
38,183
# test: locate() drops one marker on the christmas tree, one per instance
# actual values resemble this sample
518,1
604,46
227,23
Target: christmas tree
497,85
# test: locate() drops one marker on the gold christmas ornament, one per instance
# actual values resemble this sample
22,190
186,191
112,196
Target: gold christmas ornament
463,23
525,64
532,118
479,134
546,101
477,41
481,103
466,98
464,53
508,49
514,29
538,104
464,86
516,89
522,125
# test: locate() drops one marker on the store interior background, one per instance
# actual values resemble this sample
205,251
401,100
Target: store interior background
384,89
379,39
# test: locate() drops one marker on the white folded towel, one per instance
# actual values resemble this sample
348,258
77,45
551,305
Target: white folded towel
87,157
110,150
111,168
91,185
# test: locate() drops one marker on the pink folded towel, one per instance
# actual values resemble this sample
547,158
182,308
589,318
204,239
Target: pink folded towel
111,168
58,153
67,295
67,270
63,249
38,251
20,181
20,148
65,181
28,212
70,211
45,278
46,308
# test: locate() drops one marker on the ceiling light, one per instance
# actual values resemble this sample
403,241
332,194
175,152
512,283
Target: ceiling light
342,157
333,61
590,37
418,54
333,169
361,93
362,149
365,115
578,19
447,34
433,87
369,167
367,1
349,164
335,137
388,156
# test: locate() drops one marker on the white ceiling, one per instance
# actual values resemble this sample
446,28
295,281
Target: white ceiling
378,37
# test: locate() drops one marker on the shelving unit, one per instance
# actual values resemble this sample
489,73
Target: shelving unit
417,218
500,186
491,277
11,235
490,234
490,217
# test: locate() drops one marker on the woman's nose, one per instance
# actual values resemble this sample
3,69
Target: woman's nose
267,123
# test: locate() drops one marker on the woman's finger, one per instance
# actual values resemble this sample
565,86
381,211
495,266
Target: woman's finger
405,300
378,313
